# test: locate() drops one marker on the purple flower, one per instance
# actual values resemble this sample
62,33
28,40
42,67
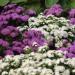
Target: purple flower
1,41
14,34
8,16
14,16
9,6
72,13
5,31
24,18
17,49
4,43
12,28
31,12
8,52
70,55
19,9
34,38
54,10
72,21
17,43
70,50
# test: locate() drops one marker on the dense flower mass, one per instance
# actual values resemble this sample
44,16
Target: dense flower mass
20,32
70,50
54,10
58,31
11,39
72,16
49,63
72,13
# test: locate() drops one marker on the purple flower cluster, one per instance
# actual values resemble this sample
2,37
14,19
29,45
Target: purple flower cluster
11,39
13,14
15,48
72,16
34,39
54,10
70,50
4,43
10,31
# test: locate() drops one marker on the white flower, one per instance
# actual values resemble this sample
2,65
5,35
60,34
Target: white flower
4,73
50,54
43,48
59,68
12,72
59,44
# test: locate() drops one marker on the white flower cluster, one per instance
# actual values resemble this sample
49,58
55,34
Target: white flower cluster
56,27
49,63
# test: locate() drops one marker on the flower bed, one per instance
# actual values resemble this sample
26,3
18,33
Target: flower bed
51,62
32,44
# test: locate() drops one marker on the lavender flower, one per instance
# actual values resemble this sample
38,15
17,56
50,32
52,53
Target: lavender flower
31,12
54,10
72,13
24,18
34,38
72,21
8,52
4,43
5,31
70,50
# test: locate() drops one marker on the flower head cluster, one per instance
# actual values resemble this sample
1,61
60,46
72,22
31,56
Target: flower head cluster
70,49
54,10
58,29
34,39
72,16
12,16
48,63
13,12
10,31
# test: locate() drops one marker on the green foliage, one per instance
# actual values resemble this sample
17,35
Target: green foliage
39,5
18,1
49,3
3,2
72,4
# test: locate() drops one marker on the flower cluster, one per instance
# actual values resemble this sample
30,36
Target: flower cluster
11,38
54,10
17,42
70,50
49,63
72,16
34,39
58,31
12,12
57,10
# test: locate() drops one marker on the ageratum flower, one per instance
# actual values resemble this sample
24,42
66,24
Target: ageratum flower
31,12
72,13
72,21
5,31
34,38
8,52
24,18
4,43
54,10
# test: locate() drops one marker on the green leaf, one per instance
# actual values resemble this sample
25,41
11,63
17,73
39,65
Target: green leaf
65,4
72,4
3,2
18,1
49,3
32,5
